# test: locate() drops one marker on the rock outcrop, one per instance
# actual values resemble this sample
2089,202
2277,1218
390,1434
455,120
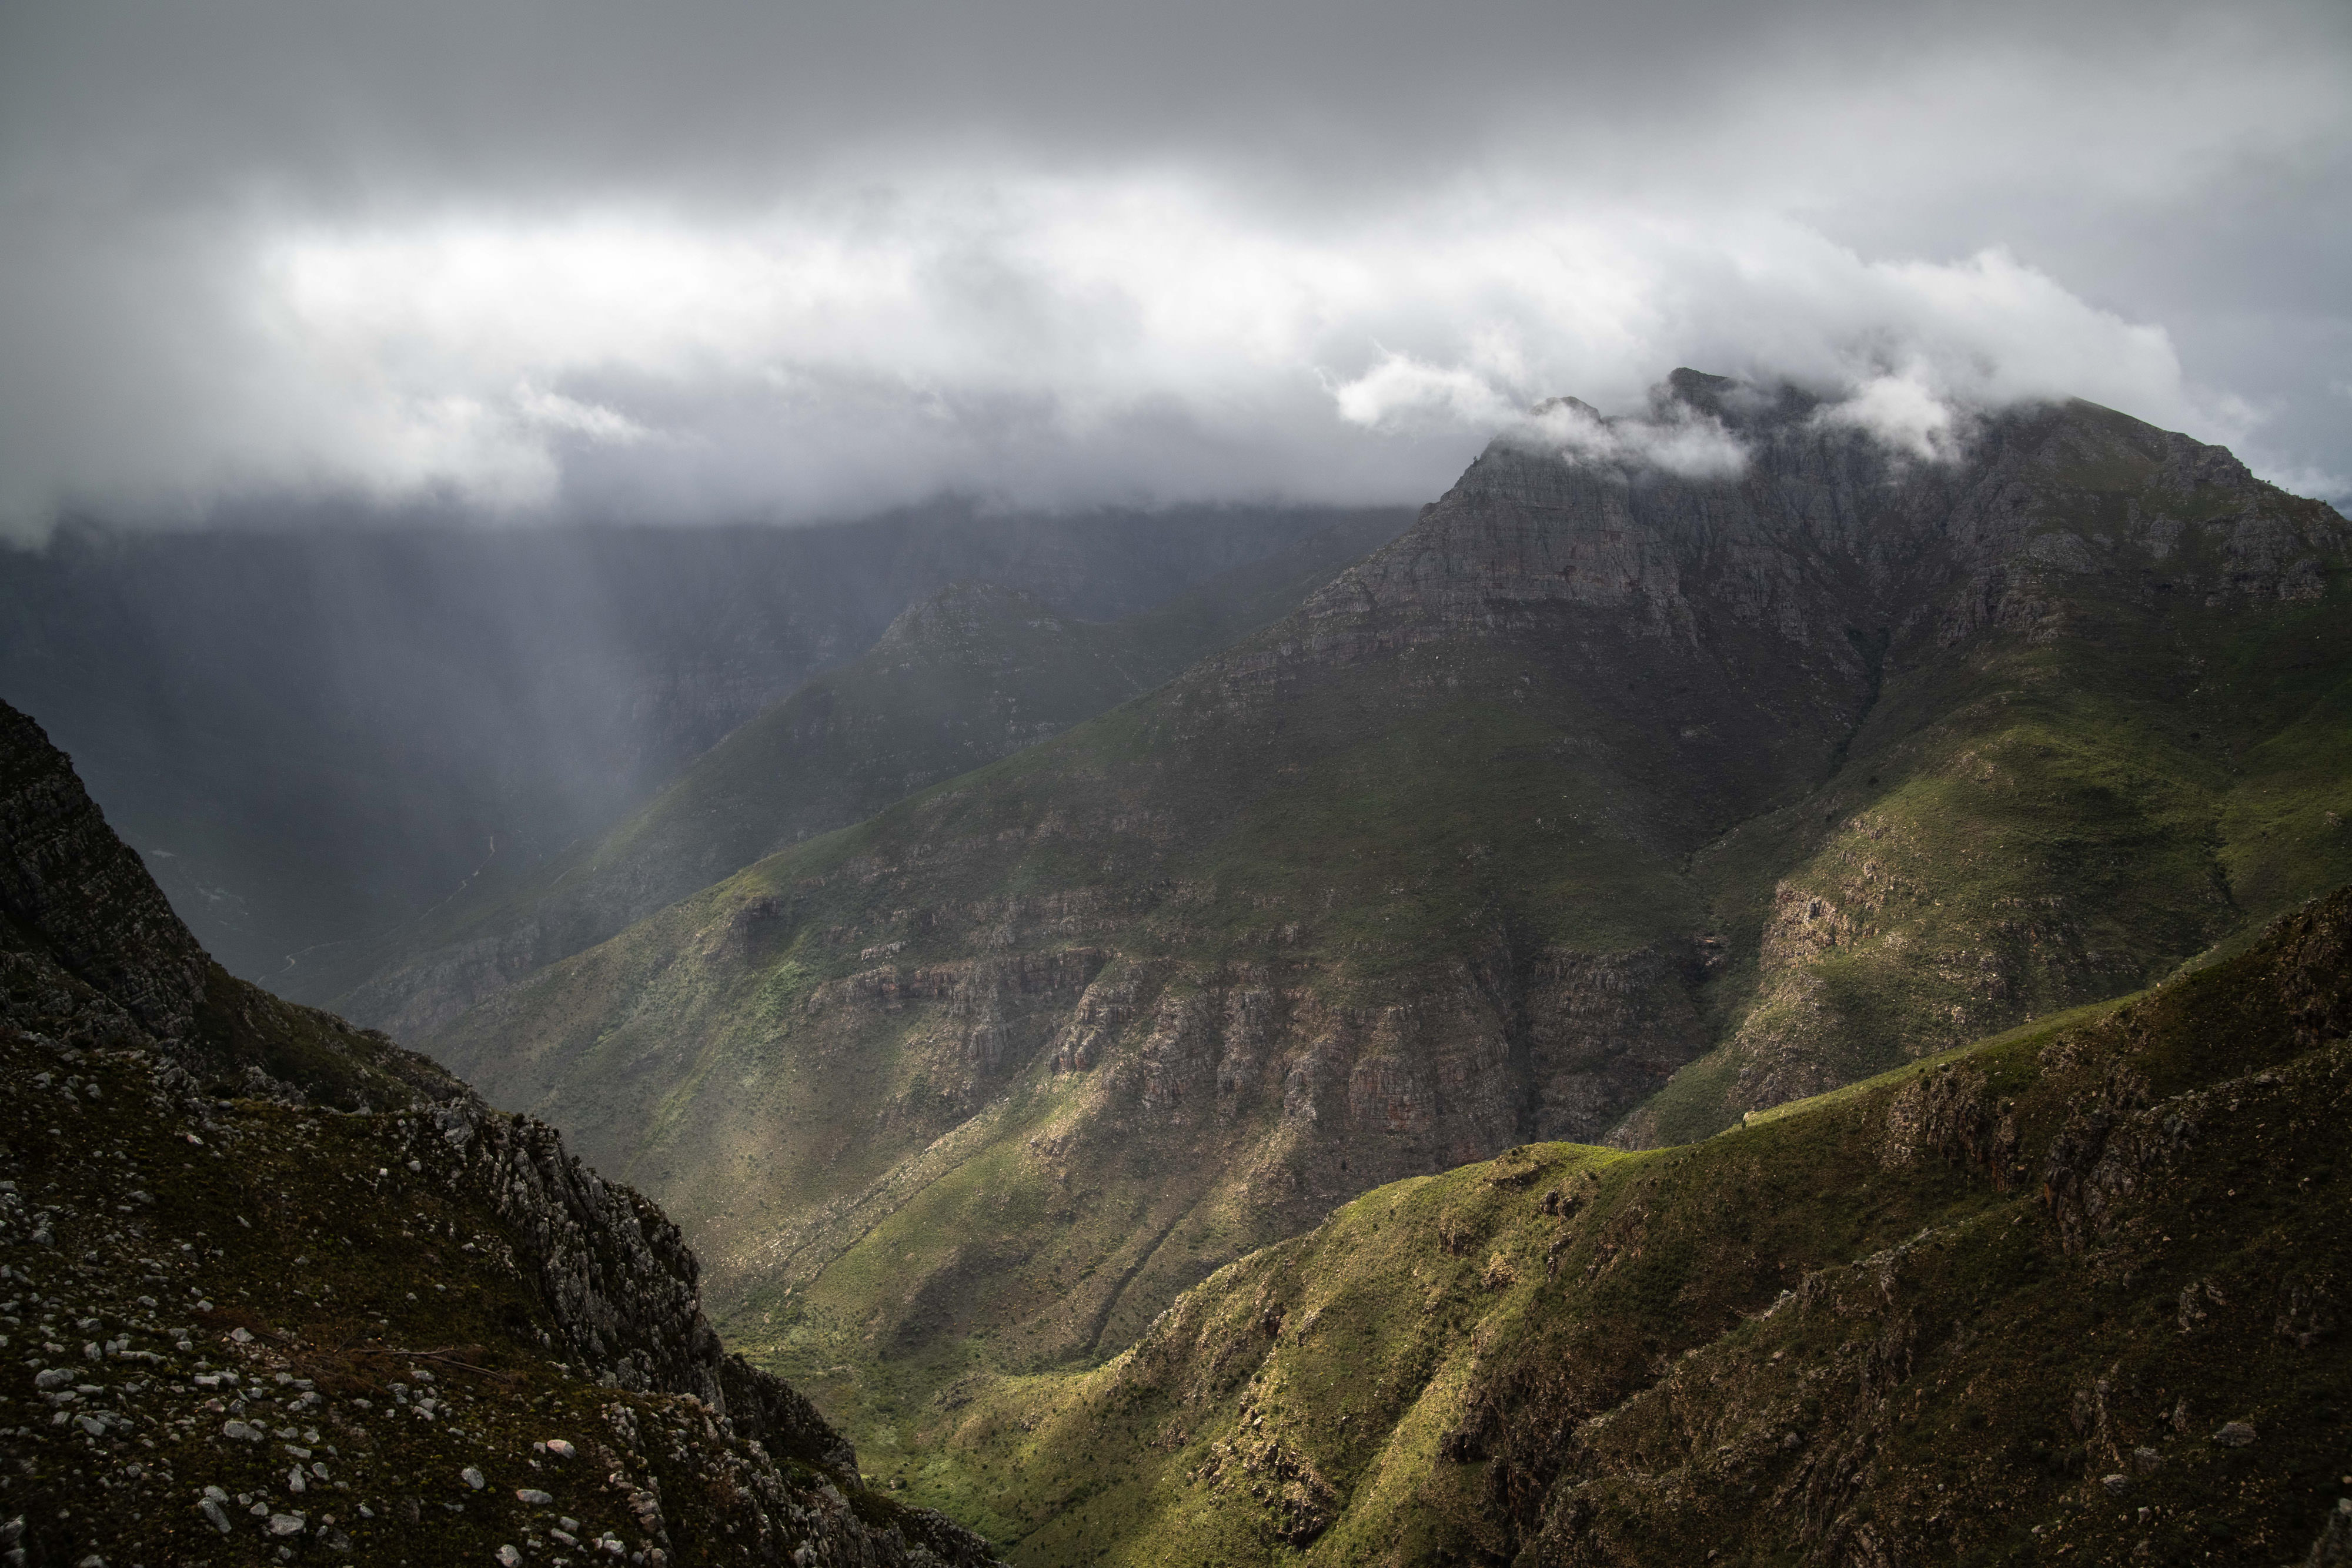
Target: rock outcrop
2075,1294
341,1258
65,874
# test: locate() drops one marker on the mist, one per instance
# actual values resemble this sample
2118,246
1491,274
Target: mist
542,263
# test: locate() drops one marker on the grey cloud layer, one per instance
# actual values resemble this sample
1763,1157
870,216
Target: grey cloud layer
748,259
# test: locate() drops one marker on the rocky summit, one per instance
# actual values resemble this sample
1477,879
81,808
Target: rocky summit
1667,769
273,1288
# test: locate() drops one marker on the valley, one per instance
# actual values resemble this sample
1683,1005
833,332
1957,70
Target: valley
1314,785
277,1288
1594,1021
1611,806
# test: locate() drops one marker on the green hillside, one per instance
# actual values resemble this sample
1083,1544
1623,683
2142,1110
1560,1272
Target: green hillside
2073,1295
1603,805
969,675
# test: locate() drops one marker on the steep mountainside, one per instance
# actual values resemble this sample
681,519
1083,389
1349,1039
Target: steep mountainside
2073,1295
277,1287
316,727
966,677
1606,802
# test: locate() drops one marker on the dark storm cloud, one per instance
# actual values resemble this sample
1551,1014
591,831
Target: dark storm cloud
756,258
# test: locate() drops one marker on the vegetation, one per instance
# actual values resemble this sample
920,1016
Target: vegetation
1488,845
962,678
2072,1293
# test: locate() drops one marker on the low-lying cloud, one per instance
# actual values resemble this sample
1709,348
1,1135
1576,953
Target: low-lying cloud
1672,436
1048,346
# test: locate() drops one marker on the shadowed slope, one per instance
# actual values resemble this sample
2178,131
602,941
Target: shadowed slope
971,674
259,1318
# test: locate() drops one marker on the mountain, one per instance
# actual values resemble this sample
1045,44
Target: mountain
973,674
317,728
1633,790
2074,1294
281,1288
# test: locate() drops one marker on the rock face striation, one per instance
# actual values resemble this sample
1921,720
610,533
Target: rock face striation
1666,769
2073,1295
281,1282
974,673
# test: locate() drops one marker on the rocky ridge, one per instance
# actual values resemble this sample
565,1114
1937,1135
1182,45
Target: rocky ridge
262,1316
2073,1295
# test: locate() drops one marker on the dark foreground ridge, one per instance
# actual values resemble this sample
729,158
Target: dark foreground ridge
279,1289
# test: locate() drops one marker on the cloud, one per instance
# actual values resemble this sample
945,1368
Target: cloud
537,260
1900,348
1400,390
1672,436
555,414
1902,412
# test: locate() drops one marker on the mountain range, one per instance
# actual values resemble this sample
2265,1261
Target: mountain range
319,729
1620,799
973,673
1742,988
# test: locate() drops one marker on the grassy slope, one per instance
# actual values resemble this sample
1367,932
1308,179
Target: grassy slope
1885,1321
713,1071
2037,821
841,1067
969,676
2077,818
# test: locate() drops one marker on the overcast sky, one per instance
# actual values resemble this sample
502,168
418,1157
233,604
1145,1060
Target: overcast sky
689,261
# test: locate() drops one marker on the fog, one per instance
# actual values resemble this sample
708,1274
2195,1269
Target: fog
733,262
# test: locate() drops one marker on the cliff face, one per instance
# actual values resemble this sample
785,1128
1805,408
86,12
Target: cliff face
283,1283
2073,1294
1608,801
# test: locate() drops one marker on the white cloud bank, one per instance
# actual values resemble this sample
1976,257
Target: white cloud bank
1045,343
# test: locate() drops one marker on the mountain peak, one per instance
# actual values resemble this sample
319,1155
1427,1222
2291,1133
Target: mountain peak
961,608
1697,388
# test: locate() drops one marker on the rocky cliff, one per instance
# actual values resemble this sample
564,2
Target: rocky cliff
2073,1295
280,1284
1619,798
